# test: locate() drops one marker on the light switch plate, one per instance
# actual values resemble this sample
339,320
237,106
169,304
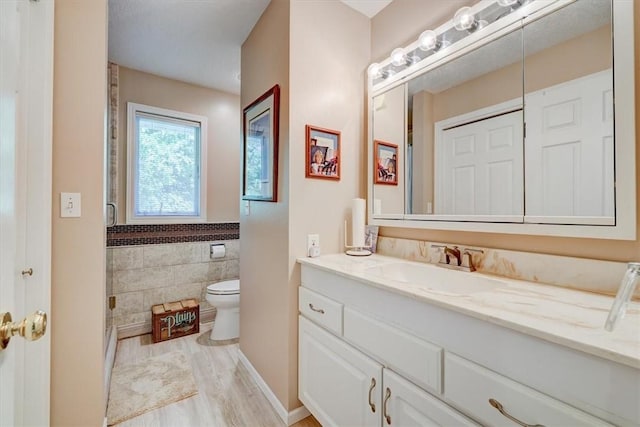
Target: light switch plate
70,205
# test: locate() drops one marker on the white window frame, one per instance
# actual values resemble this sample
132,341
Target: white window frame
134,108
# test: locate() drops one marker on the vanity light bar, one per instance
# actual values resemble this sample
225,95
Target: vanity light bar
432,45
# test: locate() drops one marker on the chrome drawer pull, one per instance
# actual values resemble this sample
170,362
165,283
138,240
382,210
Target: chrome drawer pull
387,395
317,310
371,404
500,409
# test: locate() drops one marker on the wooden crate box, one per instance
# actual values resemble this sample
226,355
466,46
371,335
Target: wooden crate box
175,319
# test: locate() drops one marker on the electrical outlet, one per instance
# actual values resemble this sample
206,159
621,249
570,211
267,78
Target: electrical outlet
313,240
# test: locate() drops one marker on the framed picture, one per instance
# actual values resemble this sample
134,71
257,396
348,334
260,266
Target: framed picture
260,147
386,163
323,153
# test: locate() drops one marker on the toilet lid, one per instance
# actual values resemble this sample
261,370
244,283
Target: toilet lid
228,287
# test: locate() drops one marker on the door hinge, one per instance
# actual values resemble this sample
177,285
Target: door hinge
112,302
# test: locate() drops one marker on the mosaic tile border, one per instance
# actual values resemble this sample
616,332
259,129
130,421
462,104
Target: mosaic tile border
155,234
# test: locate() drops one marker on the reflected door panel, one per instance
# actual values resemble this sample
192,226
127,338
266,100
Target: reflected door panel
479,170
570,140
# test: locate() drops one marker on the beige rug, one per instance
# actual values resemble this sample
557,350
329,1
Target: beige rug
150,384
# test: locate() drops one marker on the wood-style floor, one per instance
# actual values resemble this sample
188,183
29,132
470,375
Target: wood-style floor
227,395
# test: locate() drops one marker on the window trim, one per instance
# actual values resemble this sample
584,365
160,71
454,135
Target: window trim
134,108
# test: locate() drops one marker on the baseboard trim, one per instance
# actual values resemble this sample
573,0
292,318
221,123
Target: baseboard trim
207,314
297,414
133,330
109,359
288,418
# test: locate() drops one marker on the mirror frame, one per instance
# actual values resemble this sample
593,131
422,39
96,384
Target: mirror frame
624,95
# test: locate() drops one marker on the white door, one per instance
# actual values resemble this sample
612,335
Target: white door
569,150
26,79
339,385
480,167
404,404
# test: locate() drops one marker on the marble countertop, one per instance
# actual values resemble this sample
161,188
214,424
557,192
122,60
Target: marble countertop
572,318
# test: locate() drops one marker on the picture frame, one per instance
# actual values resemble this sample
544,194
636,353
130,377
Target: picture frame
322,158
260,131
385,163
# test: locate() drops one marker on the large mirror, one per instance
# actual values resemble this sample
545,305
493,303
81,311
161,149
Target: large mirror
516,130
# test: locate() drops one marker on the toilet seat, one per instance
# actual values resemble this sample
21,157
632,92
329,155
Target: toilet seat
228,287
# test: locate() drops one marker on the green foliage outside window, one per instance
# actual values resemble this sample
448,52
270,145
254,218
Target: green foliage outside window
168,163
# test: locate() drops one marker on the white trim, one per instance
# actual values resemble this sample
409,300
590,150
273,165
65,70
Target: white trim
134,329
590,231
466,218
109,360
288,418
37,128
298,414
207,315
178,116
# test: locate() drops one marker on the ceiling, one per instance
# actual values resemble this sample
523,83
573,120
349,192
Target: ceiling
369,8
196,41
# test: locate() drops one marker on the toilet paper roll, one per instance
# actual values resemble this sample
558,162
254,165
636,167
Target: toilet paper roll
218,251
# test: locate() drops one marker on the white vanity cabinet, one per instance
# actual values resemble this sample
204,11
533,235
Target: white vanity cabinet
337,383
370,356
343,387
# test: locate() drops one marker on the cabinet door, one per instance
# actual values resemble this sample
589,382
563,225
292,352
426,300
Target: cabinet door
404,404
339,385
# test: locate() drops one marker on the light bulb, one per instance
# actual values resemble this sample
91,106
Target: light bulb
397,57
463,19
374,70
428,40
506,3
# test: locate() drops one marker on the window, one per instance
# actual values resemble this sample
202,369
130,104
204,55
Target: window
166,179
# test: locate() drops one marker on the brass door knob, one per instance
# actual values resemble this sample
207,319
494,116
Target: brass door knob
31,328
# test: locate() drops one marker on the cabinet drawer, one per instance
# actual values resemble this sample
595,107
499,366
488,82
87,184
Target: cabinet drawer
322,310
406,354
470,386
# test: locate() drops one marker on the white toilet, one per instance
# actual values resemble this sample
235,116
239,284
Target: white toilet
225,297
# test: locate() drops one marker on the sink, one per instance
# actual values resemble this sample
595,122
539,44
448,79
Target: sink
435,279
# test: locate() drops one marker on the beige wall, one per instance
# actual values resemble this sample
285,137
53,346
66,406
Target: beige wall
264,240
78,244
587,248
223,130
321,74
327,77
400,23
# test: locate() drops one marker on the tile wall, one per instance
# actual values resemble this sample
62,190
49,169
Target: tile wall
144,275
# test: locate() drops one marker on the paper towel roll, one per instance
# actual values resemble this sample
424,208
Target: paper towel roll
357,222
217,251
